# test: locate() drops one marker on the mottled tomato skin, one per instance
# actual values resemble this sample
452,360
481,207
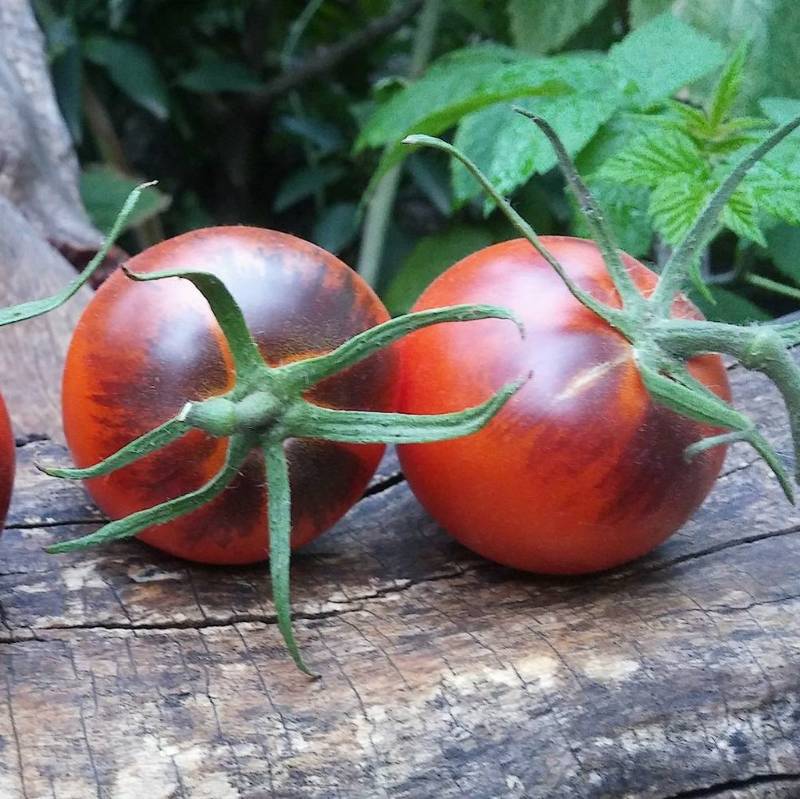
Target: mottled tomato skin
6,461
580,471
141,350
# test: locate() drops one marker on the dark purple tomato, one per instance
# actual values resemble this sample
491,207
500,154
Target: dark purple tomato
141,350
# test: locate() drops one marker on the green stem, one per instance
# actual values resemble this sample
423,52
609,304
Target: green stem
675,274
239,448
680,392
304,374
279,509
29,310
773,285
618,319
623,282
761,348
246,356
379,210
144,445
365,427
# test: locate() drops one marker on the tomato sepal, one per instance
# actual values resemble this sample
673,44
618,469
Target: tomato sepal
34,308
265,407
664,343
239,447
150,442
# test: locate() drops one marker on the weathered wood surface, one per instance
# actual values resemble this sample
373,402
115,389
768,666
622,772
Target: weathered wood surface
130,674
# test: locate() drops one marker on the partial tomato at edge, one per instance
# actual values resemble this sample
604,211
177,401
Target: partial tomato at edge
581,471
141,350
7,457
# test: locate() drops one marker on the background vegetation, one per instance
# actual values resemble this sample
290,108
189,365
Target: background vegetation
289,115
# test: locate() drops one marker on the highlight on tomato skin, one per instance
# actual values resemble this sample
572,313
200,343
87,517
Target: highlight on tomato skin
581,471
141,350
7,457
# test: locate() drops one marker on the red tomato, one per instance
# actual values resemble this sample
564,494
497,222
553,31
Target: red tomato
141,350
580,471
6,461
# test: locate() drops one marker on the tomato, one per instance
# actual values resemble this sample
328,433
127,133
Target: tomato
142,350
581,470
6,461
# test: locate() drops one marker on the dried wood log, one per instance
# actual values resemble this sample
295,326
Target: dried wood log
443,675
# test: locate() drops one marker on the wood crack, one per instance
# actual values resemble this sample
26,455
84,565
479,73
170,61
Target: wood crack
723,787
266,619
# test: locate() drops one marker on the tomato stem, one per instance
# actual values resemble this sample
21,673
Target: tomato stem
675,275
613,316
265,407
662,344
34,308
246,357
632,299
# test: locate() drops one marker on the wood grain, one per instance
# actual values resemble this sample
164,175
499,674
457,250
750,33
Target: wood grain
128,673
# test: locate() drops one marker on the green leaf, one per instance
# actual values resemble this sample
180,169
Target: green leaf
781,202
218,75
675,204
67,75
726,306
728,88
430,257
103,191
304,183
324,136
784,248
780,109
455,86
740,215
663,56
771,26
133,70
336,227
654,157
543,26
509,149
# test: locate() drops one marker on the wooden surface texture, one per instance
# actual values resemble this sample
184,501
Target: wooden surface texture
129,674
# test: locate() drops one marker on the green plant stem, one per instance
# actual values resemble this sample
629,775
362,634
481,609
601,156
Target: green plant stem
760,348
266,406
632,299
29,310
773,285
617,318
675,273
379,208
279,508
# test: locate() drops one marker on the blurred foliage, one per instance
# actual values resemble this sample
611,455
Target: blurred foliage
286,114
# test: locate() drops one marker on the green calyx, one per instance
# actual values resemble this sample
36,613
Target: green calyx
34,308
663,344
266,407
